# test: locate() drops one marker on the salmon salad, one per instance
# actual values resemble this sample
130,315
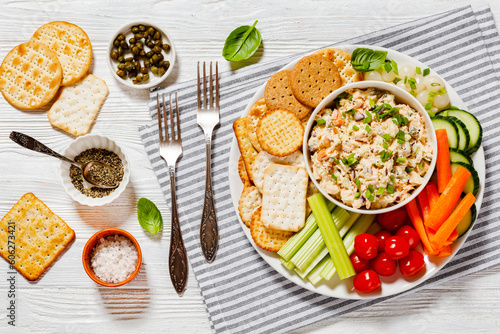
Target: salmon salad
368,151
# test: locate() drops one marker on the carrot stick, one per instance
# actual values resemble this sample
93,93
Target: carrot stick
444,252
432,194
423,201
443,165
446,202
439,239
418,224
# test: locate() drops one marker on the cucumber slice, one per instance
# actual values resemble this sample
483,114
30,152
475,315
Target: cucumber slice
472,185
463,132
440,122
457,155
472,124
467,222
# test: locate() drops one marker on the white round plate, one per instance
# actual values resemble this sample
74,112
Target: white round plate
344,288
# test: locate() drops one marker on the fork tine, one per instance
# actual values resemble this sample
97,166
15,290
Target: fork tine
205,99
172,132
211,92
165,117
178,121
217,84
199,87
159,116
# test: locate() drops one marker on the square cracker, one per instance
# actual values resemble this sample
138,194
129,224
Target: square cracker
34,235
77,105
284,197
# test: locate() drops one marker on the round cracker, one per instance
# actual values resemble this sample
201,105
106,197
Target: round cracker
30,76
72,46
250,200
258,109
280,132
266,238
342,60
278,94
313,78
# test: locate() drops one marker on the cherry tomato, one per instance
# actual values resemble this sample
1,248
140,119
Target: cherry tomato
358,263
366,246
382,236
409,233
366,281
412,263
396,248
383,265
393,220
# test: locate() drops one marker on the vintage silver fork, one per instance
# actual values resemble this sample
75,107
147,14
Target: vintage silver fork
170,151
208,118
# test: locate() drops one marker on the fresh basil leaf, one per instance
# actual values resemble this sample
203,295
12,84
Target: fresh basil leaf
149,216
242,43
366,60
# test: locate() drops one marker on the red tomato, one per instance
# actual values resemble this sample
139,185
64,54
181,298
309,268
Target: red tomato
409,233
393,220
383,265
366,281
358,263
366,246
382,236
396,248
412,263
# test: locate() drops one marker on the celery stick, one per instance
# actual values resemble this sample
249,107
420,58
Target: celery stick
331,236
348,224
374,228
303,273
314,276
361,226
315,244
287,264
295,243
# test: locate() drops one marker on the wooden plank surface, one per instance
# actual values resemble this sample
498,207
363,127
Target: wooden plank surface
65,300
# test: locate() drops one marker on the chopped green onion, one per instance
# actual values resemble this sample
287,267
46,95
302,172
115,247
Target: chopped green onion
428,106
334,177
372,103
396,80
387,137
408,169
406,79
320,121
441,91
385,145
355,127
395,67
393,178
358,183
368,129
380,190
418,70
400,160
370,187
413,83
390,189
336,160
357,194
434,84
385,155
420,164
349,112
388,67
400,135
426,71
349,97
431,114
369,196
368,118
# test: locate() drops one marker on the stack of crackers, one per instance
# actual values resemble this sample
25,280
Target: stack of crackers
271,166
55,64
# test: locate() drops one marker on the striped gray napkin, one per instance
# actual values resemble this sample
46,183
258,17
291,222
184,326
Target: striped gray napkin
242,293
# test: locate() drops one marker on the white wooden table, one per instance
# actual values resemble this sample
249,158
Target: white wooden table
65,299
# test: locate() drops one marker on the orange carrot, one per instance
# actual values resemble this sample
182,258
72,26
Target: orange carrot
432,194
418,224
439,239
444,252
446,202
443,165
423,201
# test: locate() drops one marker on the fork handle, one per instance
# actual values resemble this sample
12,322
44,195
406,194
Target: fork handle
209,230
178,264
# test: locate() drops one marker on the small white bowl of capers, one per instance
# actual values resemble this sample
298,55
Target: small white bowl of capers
141,55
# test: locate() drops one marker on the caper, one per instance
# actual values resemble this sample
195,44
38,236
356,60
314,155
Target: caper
150,44
134,82
116,43
149,54
137,65
121,73
156,49
135,50
130,59
124,45
155,59
157,35
138,77
160,57
147,63
142,53
166,65
121,66
144,70
129,66
132,40
121,59
135,29
132,74
142,28
151,31
161,71
145,77
114,55
120,51
140,45
166,47
145,34
121,37
138,36
158,42
154,69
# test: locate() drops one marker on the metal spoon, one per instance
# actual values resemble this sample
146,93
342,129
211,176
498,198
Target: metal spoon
35,145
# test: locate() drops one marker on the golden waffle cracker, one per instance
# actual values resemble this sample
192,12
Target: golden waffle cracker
72,46
266,238
249,201
32,236
342,60
258,109
77,105
280,132
313,78
30,76
278,94
247,150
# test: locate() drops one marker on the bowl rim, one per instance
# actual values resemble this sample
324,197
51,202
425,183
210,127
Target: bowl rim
381,86
89,245
152,83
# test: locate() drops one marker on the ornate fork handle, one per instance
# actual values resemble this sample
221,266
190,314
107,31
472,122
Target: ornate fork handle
209,230
178,264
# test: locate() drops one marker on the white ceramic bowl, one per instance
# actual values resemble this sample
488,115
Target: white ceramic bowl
81,144
154,80
402,96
